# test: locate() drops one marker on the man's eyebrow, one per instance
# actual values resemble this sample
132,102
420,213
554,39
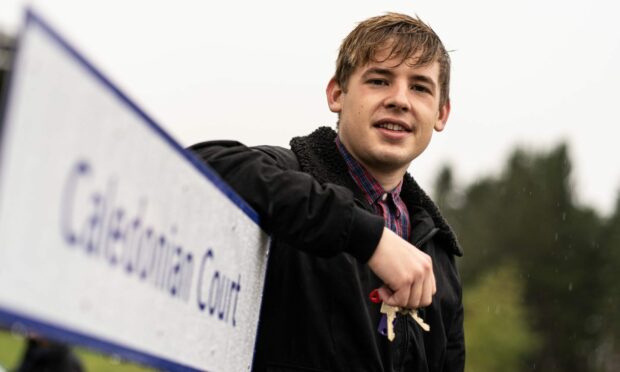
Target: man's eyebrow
378,71
388,73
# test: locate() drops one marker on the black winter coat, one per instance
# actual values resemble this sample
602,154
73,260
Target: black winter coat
316,314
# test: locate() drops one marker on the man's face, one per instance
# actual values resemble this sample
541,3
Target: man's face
389,111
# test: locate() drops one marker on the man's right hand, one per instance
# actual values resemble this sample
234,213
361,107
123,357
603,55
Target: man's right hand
406,271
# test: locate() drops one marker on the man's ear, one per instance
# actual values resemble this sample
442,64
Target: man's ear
442,116
334,94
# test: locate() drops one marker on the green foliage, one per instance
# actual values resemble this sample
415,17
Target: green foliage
11,349
13,345
497,333
527,218
610,275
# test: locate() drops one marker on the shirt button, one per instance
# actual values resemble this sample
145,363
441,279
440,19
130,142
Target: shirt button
384,196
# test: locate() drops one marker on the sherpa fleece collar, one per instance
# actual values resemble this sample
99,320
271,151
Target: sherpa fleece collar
317,154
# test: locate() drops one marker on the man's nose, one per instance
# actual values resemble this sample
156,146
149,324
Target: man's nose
398,98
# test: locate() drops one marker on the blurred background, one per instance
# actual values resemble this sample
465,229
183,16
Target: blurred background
527,170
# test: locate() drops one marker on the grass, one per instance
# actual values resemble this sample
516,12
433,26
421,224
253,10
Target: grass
12,346
11,349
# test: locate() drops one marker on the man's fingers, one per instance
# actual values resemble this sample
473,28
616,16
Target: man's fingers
427,293
417,290
385,293
430,288
424,284
398,298
407,272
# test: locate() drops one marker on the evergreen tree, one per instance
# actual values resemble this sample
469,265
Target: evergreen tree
608,353
527,217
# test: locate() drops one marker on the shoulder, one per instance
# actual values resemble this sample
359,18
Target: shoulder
281,155
208,150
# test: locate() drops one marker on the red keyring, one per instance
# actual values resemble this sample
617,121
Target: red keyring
374,296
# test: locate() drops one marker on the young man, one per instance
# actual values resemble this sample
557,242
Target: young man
346,218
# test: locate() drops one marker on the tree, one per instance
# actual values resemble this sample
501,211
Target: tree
609,352
497,333
527,217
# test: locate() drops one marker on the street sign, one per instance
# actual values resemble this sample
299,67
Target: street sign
111,234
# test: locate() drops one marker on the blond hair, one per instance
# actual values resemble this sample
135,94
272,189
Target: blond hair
405,36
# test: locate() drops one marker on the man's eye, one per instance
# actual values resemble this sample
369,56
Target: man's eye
377,82
420,88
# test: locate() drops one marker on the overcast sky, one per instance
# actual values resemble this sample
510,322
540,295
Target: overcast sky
528,73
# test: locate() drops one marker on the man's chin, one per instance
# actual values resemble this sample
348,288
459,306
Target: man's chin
391,162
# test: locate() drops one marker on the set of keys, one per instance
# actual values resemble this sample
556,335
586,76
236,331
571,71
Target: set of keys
386,325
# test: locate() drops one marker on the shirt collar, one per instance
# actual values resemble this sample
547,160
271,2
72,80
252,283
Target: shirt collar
366,181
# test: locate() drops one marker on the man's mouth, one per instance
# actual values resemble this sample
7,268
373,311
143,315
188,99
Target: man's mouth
393,125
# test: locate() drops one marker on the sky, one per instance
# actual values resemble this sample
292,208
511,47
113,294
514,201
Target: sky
525,73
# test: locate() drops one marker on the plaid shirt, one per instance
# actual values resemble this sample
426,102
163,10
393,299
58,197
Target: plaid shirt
386,204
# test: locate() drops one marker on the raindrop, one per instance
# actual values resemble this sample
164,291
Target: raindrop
570,286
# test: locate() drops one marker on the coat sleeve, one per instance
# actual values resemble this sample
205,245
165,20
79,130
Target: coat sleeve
321,219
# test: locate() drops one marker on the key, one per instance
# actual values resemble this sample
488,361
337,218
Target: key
390,312
416,317
389,315
375,298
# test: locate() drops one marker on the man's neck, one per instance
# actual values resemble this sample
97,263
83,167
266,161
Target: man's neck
387,179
